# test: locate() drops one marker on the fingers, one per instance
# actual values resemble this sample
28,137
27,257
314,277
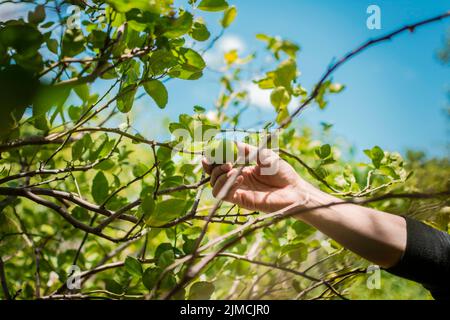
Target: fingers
267,158
207,166
220,184
218,171
219,177
246,151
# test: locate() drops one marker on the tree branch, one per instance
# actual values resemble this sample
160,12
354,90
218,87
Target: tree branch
3,281
333,67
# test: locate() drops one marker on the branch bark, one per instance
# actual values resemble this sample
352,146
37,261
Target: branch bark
3,281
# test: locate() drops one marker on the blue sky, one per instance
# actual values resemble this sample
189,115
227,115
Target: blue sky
395,92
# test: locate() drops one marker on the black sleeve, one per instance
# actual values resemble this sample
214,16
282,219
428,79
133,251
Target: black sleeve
426,259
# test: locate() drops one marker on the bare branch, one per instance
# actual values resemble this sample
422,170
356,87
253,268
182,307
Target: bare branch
332,68
3,281
310,170
66,196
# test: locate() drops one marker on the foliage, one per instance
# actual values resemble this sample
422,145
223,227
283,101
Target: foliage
79,186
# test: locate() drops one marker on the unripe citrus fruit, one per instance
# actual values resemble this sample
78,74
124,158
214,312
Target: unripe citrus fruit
221,151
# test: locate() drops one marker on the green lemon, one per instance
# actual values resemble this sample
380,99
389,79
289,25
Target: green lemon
221,151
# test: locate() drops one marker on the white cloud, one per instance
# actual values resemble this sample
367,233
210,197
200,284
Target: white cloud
231,42
258,97
261,98
214,57
12,11
212,115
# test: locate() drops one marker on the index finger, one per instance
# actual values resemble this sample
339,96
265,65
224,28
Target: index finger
207,166
245,151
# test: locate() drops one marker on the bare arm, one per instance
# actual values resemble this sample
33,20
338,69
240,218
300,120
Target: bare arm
374,235
377,236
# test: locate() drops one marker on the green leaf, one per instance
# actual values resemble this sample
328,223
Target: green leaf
100,188
323,151
276,45
25,39
188,245
166,259
153,6
166,211
285,73
41,122
133,266
100,143
161,60
82,91
163,247
200,32
148,204
97,38
172,181
327,161
105,165
17,89
173,126
73,42
150,277
185,120
376,154
296,250
213,5
163,154
179,26
110,73
139,170
302,229
283,114
107,148
52,45
190,66
32,63
37,16
192,59
113,286
321,172
326,126
47,24
158,92
266,83
201,290
49,96
335,87
280,98
77,150
299,91
389,171
126,98
81,214
228,17
199,109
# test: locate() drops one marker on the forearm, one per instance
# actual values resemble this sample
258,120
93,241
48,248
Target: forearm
374,235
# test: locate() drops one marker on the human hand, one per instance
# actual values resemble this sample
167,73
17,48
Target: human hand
253,188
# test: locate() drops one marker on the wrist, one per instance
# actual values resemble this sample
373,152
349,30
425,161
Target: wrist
313,199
